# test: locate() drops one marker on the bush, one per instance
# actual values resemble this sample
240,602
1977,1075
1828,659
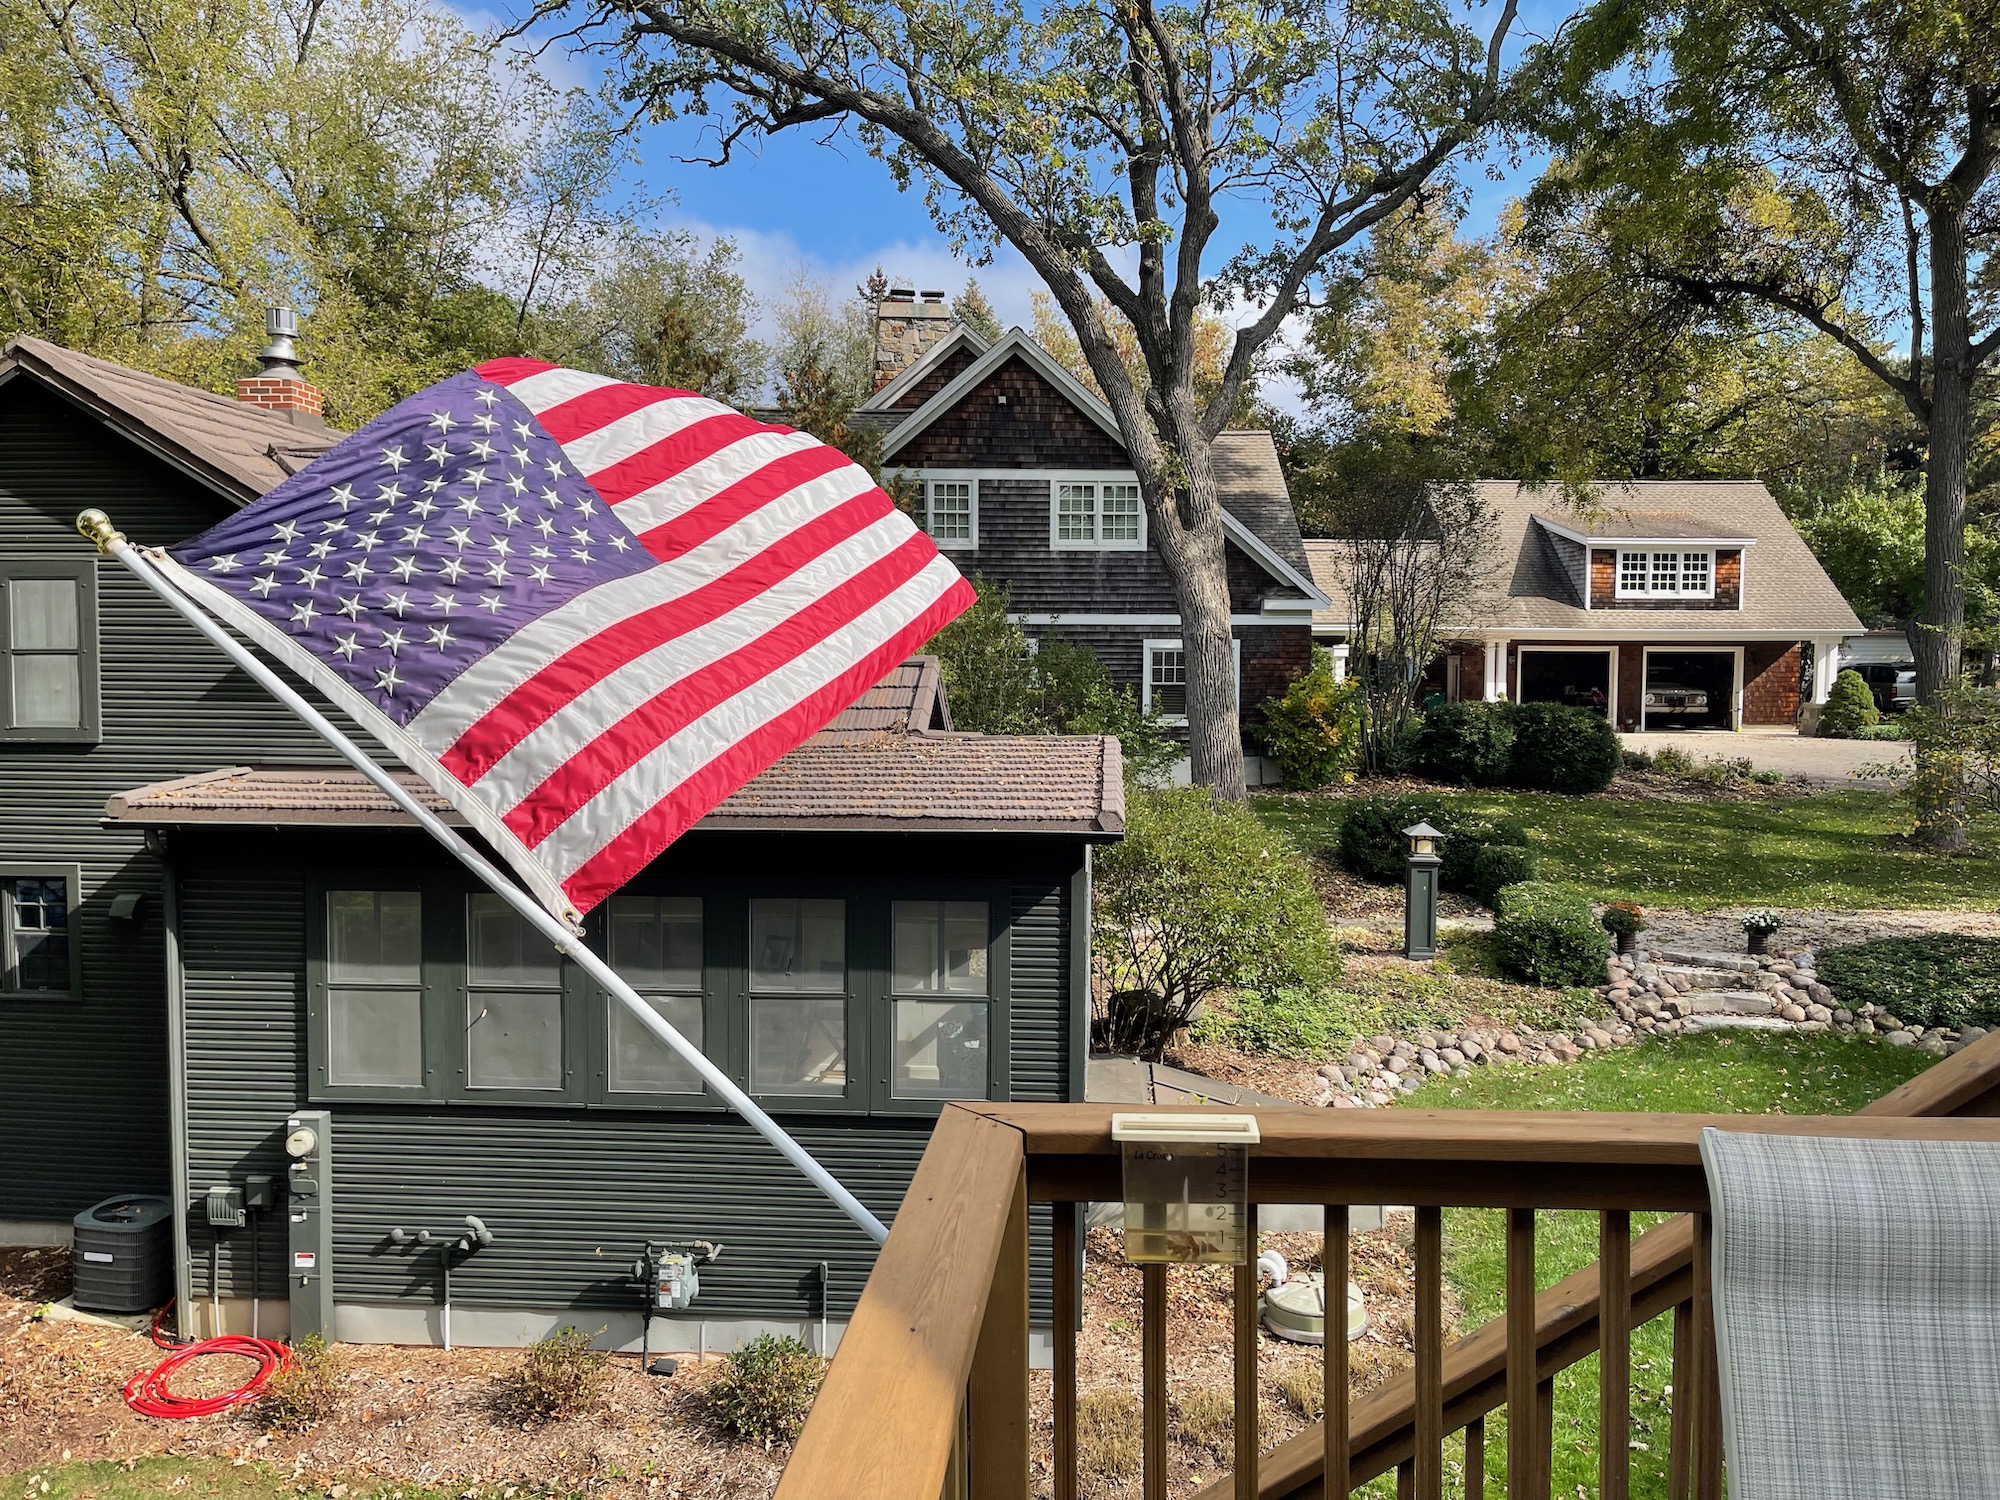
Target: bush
1289,1023
1497,866
1464,839
1199,896
1946,979
1311,732
1468,743
560,1376
764,1390
1371,842
1850,708
304,1393
1558,748
1545,934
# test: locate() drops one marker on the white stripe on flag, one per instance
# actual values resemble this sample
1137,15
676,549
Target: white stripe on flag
597,450
652,778
472,694
610,698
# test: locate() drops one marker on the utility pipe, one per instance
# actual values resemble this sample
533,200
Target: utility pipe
97,527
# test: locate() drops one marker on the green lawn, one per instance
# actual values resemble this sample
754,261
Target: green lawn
1836,849
218,1479
1745,1074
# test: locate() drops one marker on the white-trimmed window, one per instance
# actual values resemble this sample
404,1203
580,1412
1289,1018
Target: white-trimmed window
1163,687
1104,514
1646,573
40,958
951,512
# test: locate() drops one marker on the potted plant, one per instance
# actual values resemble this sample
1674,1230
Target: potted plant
1758,926
1624,921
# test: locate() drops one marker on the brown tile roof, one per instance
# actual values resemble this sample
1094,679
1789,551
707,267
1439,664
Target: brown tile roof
1785,589
1069,784
240,449
910,700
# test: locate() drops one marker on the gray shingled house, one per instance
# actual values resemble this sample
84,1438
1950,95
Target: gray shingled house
209,927
1024,480
1676,604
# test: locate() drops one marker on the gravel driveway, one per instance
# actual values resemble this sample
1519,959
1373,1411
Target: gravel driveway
1830,762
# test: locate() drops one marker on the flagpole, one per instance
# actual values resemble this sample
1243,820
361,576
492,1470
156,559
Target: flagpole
97,527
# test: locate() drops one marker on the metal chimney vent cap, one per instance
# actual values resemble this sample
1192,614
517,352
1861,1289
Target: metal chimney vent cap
280,355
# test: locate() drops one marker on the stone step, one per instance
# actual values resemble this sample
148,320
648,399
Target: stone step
1703,978
1696,958
1730,1003
1735,1023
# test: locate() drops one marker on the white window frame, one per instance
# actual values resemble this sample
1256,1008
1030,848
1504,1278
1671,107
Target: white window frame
1146,650
71,876
1096,479
1623,590
926,478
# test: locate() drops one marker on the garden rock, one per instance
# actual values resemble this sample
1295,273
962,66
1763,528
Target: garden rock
1900,1038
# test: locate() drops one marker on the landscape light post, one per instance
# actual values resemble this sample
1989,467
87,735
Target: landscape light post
1420,904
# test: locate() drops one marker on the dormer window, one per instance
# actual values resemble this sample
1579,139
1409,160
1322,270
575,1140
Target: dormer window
1665,574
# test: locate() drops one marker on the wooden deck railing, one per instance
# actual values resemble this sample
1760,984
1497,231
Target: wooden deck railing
929,1392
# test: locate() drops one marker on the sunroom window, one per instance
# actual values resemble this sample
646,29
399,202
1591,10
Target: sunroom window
798,996
656,947
941,998
513,1001
374,989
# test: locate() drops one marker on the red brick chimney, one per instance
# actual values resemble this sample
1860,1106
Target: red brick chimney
278,386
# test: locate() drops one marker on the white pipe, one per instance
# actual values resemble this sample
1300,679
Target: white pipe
96,526
1272,1264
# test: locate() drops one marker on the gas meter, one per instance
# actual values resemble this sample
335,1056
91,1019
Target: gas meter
666,1269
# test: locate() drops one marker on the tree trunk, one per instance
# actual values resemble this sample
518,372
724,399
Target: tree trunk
1939,638
1191,546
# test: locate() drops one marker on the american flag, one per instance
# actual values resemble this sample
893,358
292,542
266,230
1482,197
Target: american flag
584,611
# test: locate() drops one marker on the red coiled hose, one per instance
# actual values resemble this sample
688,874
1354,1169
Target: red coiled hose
148,1393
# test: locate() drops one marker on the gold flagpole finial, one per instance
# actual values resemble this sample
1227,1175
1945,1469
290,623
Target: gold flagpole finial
96,526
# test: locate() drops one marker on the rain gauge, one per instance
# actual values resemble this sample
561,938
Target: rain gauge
1187,1187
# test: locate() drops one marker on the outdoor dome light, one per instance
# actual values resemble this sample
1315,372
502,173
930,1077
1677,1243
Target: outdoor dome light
1423,838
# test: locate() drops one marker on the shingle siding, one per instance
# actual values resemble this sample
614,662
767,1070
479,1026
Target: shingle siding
83,1092
1035,427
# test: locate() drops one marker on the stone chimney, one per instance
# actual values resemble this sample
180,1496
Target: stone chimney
278,386
907,322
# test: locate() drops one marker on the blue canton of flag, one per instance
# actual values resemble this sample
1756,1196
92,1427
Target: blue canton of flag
407,553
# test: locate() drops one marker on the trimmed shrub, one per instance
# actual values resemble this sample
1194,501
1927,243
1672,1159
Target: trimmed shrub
305,1392
1199,896
1311,731
560,1376
1558,748
1850,708
764,1390
1945,979
1465,838
1468,743
1497,866
1546,934
1371,842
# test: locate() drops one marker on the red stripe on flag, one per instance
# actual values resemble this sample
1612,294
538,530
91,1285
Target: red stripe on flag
671,455
731,504
530,705
582,415
594,767
508,371
641,841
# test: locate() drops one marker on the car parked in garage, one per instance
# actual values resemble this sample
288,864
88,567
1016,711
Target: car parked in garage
1666,701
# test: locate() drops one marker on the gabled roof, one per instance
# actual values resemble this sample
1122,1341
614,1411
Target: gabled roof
1256,502
239,450
891,394
1532,587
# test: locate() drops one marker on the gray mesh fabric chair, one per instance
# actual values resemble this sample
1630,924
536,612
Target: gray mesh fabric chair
1857,1316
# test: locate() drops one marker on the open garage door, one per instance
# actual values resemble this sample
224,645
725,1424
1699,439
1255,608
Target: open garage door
1579,678
1690,690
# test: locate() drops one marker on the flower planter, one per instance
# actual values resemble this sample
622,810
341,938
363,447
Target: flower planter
1760,942
1627,941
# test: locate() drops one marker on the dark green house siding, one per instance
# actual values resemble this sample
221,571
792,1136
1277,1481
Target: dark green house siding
570,1192
83,1083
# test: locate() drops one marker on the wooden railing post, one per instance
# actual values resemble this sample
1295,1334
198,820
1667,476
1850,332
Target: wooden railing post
1681,1424
1475,1459
1067,1308
1614,1358
1334,1273
1153,1379
1522,1355
1707,1412
1247,1445
1428,1328
997,1394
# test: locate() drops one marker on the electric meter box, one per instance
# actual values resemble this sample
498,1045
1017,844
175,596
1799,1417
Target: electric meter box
1187,1187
